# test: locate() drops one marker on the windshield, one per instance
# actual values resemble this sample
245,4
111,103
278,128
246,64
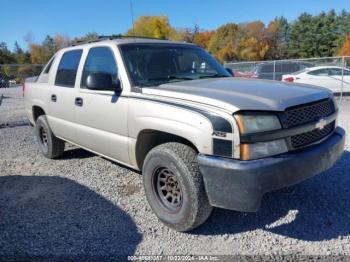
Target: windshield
156,64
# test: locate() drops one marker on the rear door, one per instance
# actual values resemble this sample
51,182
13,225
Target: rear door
62,96
318,77
102,115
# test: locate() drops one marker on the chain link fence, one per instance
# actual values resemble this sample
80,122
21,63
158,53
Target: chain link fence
329,72
12,75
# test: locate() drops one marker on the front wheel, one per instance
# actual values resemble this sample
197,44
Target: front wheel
174,186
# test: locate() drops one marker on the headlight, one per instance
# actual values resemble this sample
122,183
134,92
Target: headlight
263,149
252,123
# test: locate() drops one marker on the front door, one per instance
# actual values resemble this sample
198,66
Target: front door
102,115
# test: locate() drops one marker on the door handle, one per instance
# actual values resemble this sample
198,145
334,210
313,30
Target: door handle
53,98
78,101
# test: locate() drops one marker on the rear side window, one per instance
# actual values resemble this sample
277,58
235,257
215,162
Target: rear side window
335,72
346,72
319,72
67,69
48,66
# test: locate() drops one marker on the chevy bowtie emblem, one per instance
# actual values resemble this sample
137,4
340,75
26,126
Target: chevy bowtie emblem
321,124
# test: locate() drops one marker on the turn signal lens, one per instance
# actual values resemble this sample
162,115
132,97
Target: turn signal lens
262,149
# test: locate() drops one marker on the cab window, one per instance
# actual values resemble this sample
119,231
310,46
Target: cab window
99,60
67,69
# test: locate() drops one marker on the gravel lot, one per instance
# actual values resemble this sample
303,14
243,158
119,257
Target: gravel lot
83,204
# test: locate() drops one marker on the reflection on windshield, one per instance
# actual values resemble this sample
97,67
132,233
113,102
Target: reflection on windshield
156,64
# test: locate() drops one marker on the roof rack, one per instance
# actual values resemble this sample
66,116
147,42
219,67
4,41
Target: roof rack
111,37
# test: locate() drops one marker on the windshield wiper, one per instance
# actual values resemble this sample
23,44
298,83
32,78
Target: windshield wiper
213,76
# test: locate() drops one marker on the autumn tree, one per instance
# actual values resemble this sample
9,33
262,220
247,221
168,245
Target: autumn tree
185,34
223,44
152,26
61,41
41,53
252,49
91,36
343,28
203,38
345,50
254,29
253,44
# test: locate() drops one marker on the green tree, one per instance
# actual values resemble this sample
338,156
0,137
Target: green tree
325,34
277,34
301,37
6,57
20,55
314,36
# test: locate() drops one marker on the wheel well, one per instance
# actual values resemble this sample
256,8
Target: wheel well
148,139
37,111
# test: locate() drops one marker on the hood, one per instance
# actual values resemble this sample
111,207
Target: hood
235,94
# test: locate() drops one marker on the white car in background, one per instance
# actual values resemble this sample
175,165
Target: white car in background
330,77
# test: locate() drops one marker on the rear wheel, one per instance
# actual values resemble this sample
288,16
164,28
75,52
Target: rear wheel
174,186
50,146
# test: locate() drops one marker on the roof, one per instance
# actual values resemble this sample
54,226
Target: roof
128,39
324,67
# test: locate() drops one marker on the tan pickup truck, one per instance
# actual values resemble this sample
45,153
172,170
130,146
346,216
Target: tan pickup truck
200,137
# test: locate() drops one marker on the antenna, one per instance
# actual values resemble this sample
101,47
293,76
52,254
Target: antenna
132,17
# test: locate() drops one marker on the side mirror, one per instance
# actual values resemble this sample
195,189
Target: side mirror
102,82
229,70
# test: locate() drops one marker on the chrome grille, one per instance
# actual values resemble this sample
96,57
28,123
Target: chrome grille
307,113
310,137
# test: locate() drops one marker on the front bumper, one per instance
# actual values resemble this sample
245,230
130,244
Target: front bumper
240,185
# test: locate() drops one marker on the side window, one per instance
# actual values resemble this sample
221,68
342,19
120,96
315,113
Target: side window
335,72
319,72
346,72
48,66
67,69
99,60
